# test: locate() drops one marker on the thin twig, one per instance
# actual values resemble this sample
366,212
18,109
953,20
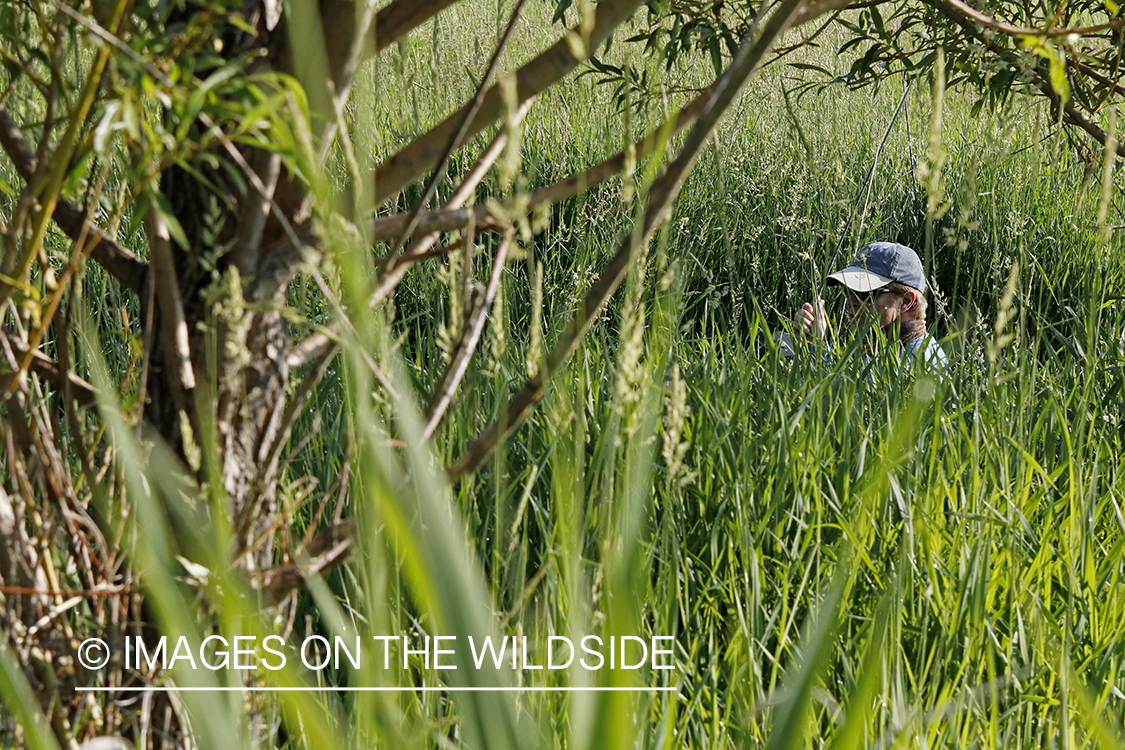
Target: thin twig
146,348
177,353
82,246
106,590
322,285
459,362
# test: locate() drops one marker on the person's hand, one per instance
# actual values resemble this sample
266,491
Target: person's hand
811,320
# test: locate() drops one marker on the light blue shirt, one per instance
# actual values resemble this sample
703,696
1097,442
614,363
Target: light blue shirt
924,353
933,357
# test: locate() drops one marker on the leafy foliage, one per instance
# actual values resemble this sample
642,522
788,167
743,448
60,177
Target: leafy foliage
1070,54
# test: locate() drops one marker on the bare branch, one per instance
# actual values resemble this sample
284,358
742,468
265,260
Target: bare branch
312,347
82,391
327,549
395,267
462,130
1076,117
244,255
343,78
16,146
815,10
293,410
403,16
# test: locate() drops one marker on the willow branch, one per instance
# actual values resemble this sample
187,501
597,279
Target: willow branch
1010,30
1071,114
110,255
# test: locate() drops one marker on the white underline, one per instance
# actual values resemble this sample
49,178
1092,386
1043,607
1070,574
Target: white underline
377,689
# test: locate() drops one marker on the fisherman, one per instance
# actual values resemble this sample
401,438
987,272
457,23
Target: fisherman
884,284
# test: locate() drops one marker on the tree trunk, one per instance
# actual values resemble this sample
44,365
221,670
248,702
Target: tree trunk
244,247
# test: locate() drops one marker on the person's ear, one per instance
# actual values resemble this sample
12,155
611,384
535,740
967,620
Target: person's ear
910,299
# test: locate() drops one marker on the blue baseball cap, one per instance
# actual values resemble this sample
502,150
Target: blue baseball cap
880,263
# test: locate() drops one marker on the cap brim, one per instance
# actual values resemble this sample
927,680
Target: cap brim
859,280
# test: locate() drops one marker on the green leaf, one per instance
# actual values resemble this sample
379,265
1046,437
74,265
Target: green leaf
164,208
20,699
560,11
240,23
1058,75
106,126
810,66
791,722
877,21
199,96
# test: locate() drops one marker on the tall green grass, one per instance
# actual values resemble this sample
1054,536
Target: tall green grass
978,520
908,562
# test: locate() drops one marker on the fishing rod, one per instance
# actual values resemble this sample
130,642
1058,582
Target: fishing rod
863,190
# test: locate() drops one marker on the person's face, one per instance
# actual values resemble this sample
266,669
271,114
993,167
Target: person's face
883,307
